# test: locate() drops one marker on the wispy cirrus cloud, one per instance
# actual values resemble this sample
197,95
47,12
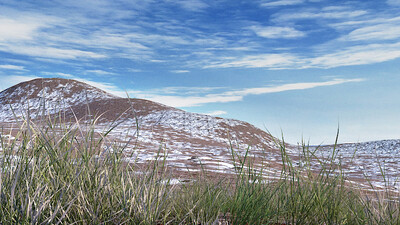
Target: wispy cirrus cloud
185,90
180,71
274,32
26,34
100,72
336,12
12,67
359,41
271,61
352,55
14,29
39,35
47,36
357,55
290,87
187,100
275,3
50,52
380,31
192,5
205,45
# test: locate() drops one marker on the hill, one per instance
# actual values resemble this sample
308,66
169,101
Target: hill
192,141
189,138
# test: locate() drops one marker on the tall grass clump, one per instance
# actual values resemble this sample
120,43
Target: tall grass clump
66,173
57,172
303,195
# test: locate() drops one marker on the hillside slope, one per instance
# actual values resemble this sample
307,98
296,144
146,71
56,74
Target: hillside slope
192,141
144,125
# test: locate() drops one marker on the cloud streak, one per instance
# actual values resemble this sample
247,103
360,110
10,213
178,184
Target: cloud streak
281,3
12,67
354,55
271,61
234,96
325,13
180,71
277,32
192,5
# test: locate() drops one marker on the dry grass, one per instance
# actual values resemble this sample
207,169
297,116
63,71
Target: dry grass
54,173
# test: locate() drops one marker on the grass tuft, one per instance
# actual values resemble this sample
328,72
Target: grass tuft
67,173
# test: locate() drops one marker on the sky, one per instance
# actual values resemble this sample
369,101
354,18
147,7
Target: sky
300,69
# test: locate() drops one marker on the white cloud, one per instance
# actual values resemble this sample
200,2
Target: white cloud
290,87
357,55
49,52
192,5
12,67
272,61
360,23
375,32
180,71
38,35
27,34
328,13
61,39
135,70
277,32
107,39
353,55
233,96
99,72
17,30
217,113
186,90
281,3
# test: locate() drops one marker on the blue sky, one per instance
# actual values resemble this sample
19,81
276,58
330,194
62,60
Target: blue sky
298,66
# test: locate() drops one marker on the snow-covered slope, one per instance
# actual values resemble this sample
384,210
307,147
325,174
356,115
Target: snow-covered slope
145,124
368,159
45,96
192,141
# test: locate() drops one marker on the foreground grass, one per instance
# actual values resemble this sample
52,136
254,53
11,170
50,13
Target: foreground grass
59,174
